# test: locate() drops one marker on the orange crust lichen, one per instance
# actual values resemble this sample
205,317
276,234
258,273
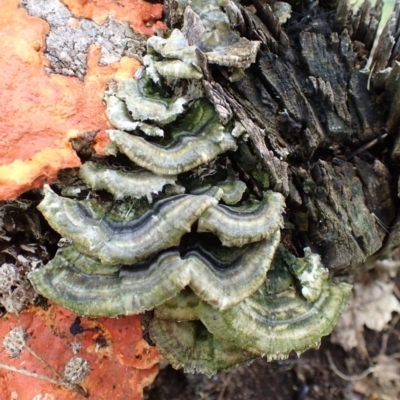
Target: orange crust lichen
143,17
121,362
41,112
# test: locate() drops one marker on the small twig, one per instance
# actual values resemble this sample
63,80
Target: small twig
396,291
366,146
394,331
43,361
349,378
385,336
370,76
44,378
76,388
32,374
380,223
33,353
224,386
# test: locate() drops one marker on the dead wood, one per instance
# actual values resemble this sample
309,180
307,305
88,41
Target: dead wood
324,126
322,120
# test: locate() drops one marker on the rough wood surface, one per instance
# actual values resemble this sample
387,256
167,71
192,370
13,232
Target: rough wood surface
313,117
308,108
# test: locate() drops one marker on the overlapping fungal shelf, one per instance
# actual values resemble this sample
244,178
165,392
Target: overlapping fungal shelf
185,236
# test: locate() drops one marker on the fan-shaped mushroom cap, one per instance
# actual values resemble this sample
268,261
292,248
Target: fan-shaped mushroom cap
120,118
277,319
190,346
197,139
144,105
236,226
87,287
123,242
121,184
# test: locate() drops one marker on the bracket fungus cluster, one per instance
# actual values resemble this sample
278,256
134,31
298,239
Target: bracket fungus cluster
205,255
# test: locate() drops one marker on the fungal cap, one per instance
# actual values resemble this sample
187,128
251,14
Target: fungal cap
241,54
274,324
65,280
87,287
123,242
198,139
214,35
224,286
232,188
236,226
144,105
190,346
311,274
122,184
120,118
282,11
174,47
182,307
177,69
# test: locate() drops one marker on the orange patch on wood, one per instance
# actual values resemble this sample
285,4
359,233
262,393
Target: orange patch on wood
143,17
121,362
127,68
38,110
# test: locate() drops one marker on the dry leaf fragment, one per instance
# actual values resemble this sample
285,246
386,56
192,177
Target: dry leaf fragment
372,305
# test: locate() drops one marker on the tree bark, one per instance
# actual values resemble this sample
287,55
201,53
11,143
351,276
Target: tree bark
325,130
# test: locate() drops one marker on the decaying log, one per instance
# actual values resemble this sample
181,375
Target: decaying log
322,119
324,127
308,107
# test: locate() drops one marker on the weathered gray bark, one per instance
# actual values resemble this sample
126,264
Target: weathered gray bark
313,118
